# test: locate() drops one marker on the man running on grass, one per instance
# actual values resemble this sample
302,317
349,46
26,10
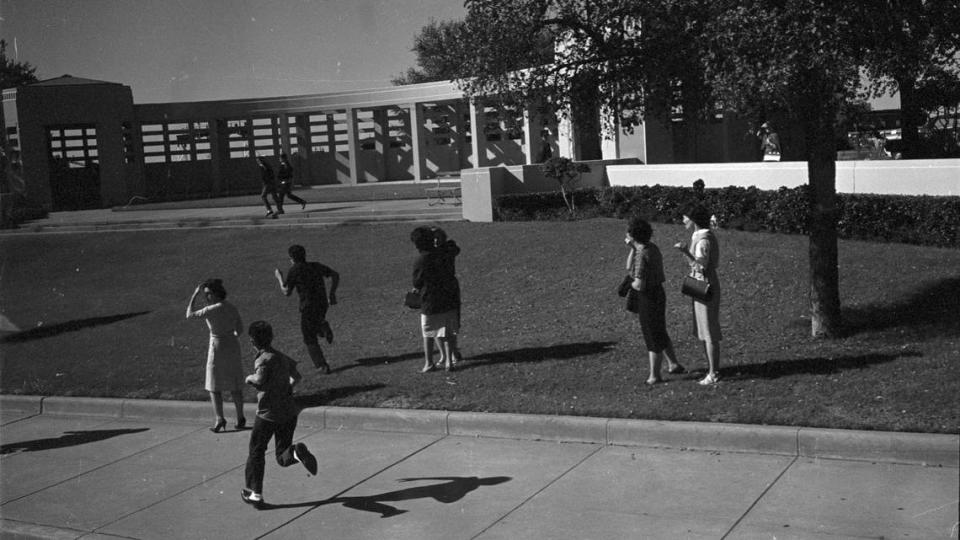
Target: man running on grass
308,280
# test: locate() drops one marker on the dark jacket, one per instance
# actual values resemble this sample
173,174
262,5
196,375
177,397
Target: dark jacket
434,274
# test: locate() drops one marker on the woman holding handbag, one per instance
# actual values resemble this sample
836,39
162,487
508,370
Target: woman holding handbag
645,266
433,276
704,257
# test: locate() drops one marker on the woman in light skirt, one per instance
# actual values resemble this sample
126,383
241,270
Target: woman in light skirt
224,369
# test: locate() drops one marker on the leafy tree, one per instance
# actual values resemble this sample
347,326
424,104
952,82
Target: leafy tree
802,57
566,173
13,73
908,43
440,49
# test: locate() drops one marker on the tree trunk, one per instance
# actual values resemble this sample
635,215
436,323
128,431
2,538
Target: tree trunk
910,115
824,275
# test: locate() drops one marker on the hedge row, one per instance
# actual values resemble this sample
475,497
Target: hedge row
921,220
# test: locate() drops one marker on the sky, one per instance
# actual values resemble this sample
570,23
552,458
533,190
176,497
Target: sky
198,50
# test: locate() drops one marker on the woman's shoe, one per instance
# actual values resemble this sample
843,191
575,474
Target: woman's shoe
428,368
710,379
219,426
241,423
654,381
677,370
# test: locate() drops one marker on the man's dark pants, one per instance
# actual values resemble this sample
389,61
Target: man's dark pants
263,431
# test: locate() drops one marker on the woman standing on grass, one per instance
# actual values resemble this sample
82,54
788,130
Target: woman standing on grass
704,257
645,265
224,369
434,277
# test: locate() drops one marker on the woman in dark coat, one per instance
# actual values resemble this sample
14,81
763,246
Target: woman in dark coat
434,277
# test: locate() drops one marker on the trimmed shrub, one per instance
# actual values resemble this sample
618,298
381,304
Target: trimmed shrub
920,220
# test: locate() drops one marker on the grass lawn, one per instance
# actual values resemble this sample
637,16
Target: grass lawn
543,330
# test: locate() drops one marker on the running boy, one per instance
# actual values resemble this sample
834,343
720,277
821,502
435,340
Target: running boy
274,376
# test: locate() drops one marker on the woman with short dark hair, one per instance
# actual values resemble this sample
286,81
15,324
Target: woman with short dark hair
704,257
224,369
434,277
645,265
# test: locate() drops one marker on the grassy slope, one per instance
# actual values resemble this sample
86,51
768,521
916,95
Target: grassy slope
543,330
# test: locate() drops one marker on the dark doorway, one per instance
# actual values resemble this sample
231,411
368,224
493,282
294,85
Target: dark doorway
74,167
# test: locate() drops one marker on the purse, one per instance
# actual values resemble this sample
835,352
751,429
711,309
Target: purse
412,299
697,289
625,286
633,300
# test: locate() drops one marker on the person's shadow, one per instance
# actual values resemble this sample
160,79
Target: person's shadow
452,489
69,438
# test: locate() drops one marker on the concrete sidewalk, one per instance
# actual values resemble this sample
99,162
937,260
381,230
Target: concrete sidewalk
105,468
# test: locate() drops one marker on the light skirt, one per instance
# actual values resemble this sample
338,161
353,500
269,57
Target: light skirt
440,325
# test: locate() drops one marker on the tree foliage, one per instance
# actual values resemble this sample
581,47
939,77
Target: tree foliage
911,45
440,48
13,73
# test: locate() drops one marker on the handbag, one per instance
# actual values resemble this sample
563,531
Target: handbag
625,286
412,299
697,289
633,300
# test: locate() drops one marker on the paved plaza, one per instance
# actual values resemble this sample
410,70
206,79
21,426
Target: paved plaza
89,468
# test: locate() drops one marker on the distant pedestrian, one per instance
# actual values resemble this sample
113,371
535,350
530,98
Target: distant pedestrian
224,371
439,312
269,188
645,265
307,278
546,148
769,142
285,176
703,254
274,377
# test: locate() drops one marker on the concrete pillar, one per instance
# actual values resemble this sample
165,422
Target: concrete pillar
353,146
381,142
417,139
531,136
217,137
463,161
284,134
301,172
478,142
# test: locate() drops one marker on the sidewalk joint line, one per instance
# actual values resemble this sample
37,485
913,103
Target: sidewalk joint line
542,489
759,497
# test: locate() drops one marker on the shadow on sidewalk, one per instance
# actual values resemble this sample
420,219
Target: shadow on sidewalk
70,326
69,438
452,489
809,366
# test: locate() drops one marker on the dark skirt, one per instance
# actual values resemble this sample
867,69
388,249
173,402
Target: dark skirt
653,319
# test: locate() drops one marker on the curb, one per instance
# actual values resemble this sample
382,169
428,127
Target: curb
928,449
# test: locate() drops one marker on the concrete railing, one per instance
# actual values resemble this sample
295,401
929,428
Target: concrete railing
480,187
893,177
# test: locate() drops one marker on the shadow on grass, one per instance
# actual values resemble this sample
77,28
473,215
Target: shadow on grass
809,366
42,332
69,438
538,354
932,308
450,490
326,396
377,360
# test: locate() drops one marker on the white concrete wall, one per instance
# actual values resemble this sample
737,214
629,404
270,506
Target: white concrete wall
894,177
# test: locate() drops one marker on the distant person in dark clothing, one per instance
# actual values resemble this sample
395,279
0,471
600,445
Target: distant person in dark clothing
769,142
269,188
546,150
308,280
274,376
439,313
285,175
449,249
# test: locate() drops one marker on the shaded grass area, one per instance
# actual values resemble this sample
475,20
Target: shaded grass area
543,329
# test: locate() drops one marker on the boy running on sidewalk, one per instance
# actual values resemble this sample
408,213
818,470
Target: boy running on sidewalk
274,376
